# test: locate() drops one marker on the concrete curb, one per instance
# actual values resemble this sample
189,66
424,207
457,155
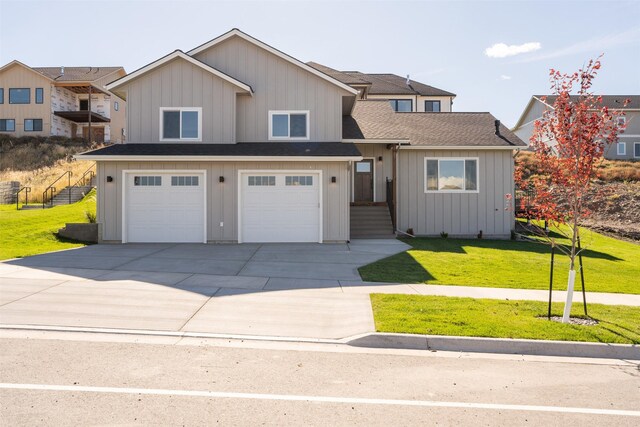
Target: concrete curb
497,345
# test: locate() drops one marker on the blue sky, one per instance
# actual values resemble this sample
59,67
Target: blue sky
443,44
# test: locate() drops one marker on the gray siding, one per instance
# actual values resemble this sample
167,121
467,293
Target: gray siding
383,169
222,198
456,214
181,84
278,85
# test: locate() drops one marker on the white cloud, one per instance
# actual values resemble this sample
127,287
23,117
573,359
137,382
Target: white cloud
504,77
501,50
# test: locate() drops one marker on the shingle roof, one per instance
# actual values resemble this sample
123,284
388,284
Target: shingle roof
391,84
382,84
610,101
76,74
285,149
373,120
339,75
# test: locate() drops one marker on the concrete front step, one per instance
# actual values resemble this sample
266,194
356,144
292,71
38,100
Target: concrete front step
370,222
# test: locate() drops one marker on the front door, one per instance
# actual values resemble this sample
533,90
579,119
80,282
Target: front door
97,134
363,181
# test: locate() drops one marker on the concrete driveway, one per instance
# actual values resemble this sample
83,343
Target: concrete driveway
292,290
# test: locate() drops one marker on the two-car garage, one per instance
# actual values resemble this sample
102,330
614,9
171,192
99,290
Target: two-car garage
272,206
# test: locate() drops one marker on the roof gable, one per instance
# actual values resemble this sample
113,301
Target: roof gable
178,54
237,33
15,62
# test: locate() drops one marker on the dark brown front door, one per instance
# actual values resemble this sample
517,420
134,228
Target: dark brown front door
97,133
363,181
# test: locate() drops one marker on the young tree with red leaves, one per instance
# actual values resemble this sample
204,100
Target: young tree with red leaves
568,143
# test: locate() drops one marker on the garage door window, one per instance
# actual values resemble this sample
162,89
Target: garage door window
184,181
147,181
262,181
299,180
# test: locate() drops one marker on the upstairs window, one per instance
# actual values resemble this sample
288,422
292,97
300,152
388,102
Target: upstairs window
19,95
432,106
288,125
39,95
180,124
1,95
116,106
456,175
402,105
84,104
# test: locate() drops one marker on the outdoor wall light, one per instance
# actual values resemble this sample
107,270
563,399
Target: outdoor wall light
109,179
221,179
379,158
333,179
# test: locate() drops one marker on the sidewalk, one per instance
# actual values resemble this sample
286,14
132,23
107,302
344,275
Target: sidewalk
493,293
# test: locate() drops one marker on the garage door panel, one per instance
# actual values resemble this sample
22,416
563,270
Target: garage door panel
164,212
281,212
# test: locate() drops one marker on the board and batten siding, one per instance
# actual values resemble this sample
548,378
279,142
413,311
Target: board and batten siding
180,84
277,85
464,214
222,198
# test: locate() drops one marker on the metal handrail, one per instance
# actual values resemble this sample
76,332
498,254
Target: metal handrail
52,189
26,190
83,181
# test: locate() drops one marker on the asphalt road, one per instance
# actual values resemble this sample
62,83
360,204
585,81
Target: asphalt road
87,379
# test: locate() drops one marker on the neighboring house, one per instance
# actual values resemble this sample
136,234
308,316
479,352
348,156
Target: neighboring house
628,145
236,141
404,94
45,101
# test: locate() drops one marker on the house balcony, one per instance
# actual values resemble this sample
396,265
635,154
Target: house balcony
82,116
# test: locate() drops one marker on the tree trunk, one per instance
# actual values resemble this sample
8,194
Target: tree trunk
569,300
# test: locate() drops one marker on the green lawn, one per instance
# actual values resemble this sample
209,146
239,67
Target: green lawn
24,233
610,265
435,315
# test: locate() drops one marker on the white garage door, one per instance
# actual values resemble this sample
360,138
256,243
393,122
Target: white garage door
165,207
280,207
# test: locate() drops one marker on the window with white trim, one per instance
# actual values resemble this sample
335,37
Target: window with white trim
147,181
262,181
298,180
180,124
116,105
621,121
636,150
288,125
621,149
454,175
184,181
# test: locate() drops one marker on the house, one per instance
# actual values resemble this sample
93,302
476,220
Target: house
236,141
404,95
628,145
46,101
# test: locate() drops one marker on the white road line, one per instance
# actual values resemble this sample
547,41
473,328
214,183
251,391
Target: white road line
321,399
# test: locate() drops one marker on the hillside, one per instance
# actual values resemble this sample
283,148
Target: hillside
37,161
615,199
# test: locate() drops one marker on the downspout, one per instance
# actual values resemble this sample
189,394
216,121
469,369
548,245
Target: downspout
90,115
394,173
